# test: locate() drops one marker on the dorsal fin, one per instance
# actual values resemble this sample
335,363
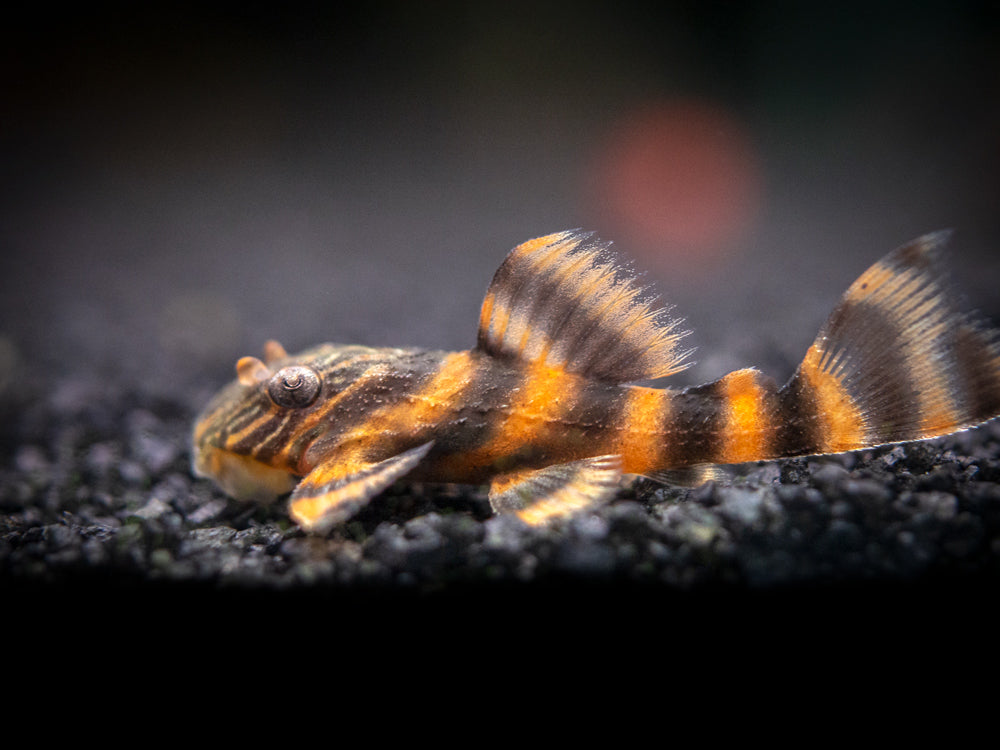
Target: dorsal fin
564,300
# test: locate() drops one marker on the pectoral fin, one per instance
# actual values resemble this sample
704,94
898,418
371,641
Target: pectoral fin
332,493
555,491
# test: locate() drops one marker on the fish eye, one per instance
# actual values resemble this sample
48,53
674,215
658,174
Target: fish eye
294,387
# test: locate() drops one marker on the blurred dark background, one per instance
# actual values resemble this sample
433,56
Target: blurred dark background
180,183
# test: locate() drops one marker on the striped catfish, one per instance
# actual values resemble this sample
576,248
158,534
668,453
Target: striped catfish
546,410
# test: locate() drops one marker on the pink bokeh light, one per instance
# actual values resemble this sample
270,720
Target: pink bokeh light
680,181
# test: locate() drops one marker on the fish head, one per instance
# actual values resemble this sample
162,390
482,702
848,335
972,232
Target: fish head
252,436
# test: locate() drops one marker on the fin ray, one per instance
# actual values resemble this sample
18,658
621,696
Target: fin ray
896,360
565,301
539,496
691,476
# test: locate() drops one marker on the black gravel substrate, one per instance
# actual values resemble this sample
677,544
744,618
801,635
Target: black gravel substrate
95,491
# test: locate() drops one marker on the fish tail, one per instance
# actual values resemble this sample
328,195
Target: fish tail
896,361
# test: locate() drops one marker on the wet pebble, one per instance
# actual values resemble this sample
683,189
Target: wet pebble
584,557
155,508
829,477
747,507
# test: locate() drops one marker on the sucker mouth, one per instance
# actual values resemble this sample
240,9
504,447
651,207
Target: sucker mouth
242,477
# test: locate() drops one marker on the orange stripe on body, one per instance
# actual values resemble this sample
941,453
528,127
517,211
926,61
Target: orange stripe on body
529,421
440,394
546,393
413,412
748,424
644,418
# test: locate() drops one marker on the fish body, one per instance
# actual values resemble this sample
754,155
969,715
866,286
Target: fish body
546,408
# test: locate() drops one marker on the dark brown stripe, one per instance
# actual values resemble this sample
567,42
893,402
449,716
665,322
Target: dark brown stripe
694,430
883,386
229,411
923,254
602,345
251,443
249,410
797,417
622,356
557,310
471,422
977,370
878,370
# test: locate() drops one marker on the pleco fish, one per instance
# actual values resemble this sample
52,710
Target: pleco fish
544,409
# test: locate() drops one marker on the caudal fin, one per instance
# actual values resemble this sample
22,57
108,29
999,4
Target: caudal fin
895,361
